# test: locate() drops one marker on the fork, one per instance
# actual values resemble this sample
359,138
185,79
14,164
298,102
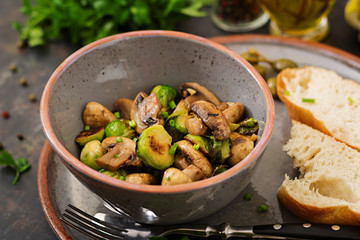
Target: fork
96,228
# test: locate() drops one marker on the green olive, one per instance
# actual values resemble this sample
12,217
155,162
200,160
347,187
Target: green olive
251,56
271,82
260,69
282,63
91,151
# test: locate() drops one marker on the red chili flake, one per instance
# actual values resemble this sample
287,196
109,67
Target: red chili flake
20,136
5,114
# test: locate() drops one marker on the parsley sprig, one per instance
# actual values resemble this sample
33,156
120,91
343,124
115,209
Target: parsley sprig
21,165
84,21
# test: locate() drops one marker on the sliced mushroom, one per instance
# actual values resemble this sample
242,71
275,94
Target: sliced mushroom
193,91
123,106
194,172
118,155
181,162
108,143
140,178
145,111
180,105
174,176
195,125
213,118
241,146
222,106
196,157
96,115
234,112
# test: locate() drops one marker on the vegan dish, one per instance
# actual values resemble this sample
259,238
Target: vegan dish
168,137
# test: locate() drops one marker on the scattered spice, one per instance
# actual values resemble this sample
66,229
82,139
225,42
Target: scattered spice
262,208
23,82
20,136
32,97
13,67
5,114
248,197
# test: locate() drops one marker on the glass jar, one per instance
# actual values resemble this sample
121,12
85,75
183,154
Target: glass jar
238,15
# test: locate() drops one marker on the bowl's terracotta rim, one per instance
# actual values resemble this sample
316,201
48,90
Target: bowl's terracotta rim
75,163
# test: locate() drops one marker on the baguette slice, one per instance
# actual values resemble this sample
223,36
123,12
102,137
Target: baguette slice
336,110
328,188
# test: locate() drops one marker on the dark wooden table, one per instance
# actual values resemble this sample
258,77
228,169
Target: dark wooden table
21,215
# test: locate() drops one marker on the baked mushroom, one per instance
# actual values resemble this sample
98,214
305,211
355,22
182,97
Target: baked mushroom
241,146
183,163
192,92
145,111
140,178
196,157
233,112
213,118
174,176
96,115
117,155
123,106
195,125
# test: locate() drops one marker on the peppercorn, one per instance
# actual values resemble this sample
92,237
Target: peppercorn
13,67
23,82
32,97
20,136
5,114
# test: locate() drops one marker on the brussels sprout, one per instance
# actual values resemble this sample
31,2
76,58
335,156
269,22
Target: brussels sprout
166,94
175,124
92,134
119,174
220,151
248,126
120,127
153,147
91,151
203,143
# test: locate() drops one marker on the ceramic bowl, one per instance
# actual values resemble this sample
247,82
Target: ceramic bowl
121,66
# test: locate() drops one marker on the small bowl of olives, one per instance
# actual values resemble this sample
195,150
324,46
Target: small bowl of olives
166,127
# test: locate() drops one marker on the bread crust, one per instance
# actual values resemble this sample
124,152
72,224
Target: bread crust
342,215
298,113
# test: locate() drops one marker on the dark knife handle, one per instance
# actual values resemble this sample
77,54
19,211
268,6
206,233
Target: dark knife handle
309,231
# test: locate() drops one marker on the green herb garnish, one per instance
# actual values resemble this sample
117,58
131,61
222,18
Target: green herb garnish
116,156
117,115
172,123
86,21
119,139
21,165
173,149
167,178
164,114
132,123
87,128
287,93
262,208
196,146
172,104
308,100
350,100
248,197
122,178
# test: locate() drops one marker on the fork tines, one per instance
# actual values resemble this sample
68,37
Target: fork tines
91,226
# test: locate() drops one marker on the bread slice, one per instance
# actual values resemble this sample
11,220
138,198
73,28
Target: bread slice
328,188
336,110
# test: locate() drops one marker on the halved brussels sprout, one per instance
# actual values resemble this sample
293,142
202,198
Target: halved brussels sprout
92,134
91,151
166,94
203,143
153,147
120,127
119,174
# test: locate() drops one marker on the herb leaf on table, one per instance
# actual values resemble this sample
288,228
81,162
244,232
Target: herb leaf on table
21,165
